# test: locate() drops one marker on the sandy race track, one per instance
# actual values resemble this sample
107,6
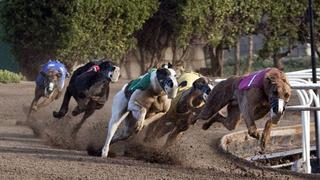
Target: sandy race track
54,155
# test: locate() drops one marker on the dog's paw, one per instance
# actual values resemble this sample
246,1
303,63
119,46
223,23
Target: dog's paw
104,153
75,113
34,108
57,114
255,134
206,126
138,128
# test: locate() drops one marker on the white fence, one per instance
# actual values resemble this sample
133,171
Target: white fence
300,81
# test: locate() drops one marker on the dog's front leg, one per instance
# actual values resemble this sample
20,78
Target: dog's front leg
266,134
48,100
267,131
251,125
155,117
139,114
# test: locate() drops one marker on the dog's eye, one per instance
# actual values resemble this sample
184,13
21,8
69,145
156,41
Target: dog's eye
275,91
286,95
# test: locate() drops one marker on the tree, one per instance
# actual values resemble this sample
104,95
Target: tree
218,23
73,30
281,28
237,58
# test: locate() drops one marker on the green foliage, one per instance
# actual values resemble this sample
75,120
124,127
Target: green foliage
10,77
217,22
281,25
78,30
105,28
72,30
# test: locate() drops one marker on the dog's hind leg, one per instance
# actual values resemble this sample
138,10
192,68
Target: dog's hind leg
176,134
37,95
125,133
65,105
131,126
158,129
33,106
230,122
119,106
87,114
112,128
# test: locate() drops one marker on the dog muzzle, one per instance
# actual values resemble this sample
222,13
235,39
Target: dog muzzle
170,87
171,91
49,89
114,75
277,107
206,91
205,97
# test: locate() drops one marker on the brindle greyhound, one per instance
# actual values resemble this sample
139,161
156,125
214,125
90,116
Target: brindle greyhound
89,85
249,97
49,84
138,105
189,101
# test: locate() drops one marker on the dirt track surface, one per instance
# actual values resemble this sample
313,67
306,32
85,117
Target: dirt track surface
54,155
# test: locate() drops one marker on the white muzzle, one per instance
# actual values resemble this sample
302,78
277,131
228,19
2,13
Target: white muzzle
114,75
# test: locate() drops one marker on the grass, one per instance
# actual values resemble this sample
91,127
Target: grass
10,77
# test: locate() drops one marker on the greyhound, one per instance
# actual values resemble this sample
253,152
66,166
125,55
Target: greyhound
146,99
49,84
188,103
249,97
89,85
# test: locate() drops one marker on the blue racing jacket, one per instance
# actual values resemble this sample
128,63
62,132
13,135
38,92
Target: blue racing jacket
53,64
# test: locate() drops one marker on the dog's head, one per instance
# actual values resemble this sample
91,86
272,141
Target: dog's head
110,70
199,92
166,77
51,78
278,90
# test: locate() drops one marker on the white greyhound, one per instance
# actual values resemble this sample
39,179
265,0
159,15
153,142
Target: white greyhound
145,104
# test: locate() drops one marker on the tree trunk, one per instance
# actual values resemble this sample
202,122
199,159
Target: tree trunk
250,55
216,59
237,58
142,61
174,53
277,62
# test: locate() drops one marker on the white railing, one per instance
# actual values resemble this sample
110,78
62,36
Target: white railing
300,82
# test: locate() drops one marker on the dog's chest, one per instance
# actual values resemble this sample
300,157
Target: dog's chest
158,105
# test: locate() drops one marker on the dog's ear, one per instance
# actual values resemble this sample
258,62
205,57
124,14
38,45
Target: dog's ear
183,84
199,82
270,77
59,75
169,65
163,72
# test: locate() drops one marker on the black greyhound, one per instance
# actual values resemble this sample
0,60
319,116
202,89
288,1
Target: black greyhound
89,86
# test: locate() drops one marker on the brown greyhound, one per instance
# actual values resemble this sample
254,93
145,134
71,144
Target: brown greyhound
189,101
249,97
